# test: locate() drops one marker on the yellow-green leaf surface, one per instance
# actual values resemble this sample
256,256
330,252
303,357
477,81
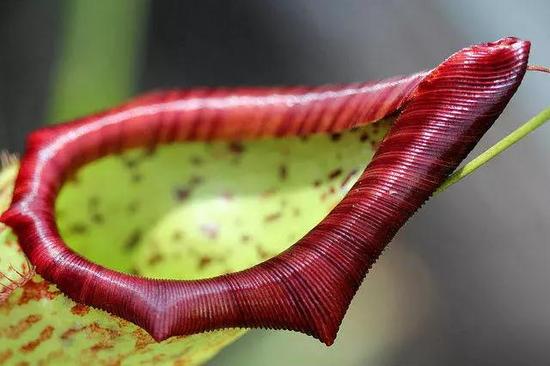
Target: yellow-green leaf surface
14,267
182,211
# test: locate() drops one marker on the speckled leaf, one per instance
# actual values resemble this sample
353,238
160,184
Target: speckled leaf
181,211
15,269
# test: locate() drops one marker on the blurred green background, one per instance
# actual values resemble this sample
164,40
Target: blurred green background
465,282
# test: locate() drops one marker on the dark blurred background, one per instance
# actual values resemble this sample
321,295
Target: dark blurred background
466,282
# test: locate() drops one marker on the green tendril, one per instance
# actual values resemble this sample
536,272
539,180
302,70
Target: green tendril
496,149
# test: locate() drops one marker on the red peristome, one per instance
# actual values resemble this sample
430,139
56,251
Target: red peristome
307,288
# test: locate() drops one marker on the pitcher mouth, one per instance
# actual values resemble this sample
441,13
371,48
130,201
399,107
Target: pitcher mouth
307,288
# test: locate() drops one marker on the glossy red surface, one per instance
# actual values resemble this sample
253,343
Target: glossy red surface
308,288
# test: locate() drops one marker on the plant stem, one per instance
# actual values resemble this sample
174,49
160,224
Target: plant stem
496,149
101,43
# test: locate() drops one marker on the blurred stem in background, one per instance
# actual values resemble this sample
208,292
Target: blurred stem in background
101,44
